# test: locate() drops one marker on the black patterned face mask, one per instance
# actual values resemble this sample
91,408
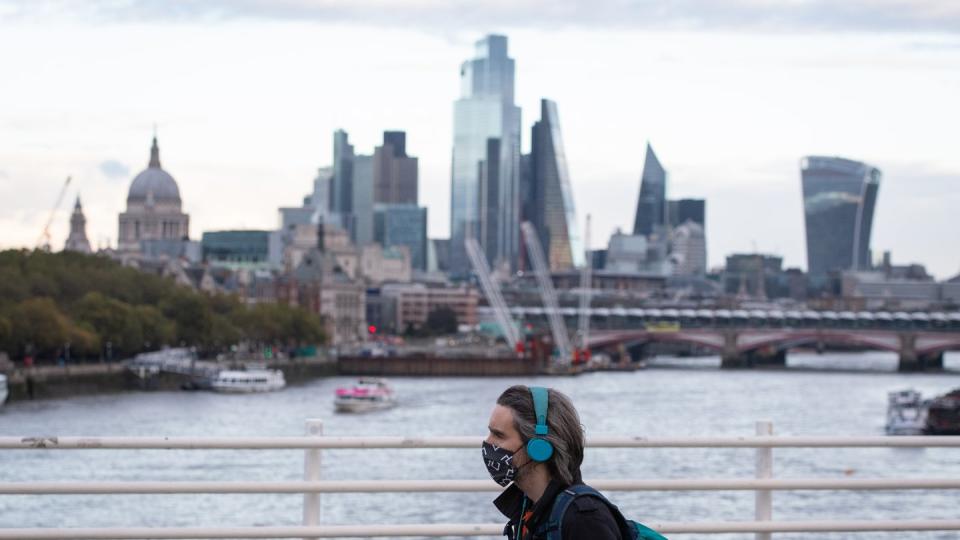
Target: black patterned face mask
499,462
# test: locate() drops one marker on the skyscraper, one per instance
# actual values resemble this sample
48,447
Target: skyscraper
361,202
681,211
341,187
652,203
485,111
838,200
403,225
549,197
394,172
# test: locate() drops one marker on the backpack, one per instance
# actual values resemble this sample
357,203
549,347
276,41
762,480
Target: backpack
631,530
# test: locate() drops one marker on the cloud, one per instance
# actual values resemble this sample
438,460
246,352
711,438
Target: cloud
114,170
936,16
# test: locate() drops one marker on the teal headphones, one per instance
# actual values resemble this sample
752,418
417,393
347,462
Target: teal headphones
539,448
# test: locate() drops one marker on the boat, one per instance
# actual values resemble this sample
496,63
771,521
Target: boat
367,394
248,381
943,414
906,413
3,389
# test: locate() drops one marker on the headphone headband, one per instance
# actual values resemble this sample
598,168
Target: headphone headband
541,402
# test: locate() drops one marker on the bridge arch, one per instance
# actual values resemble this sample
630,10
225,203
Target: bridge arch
707,339
787,340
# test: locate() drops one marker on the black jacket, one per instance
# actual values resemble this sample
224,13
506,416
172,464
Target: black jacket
587,518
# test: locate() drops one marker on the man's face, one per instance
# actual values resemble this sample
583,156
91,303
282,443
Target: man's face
502,432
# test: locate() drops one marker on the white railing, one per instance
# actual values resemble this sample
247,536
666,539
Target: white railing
763,484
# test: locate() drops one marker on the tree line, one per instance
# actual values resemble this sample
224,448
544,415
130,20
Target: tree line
99,307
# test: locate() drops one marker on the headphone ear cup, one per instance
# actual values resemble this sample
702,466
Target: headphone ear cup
539,449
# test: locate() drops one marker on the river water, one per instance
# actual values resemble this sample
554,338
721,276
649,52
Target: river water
830,394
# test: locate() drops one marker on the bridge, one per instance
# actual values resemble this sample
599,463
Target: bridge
748,338
749,347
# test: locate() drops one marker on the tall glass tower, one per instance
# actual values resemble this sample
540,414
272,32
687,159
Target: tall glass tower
838,200
485,111
652,203
550,195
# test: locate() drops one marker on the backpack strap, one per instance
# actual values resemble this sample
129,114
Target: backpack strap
553,527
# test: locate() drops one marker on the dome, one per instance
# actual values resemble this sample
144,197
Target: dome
154,185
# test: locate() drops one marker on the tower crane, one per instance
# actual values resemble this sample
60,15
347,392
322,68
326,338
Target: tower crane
561,340
491,289
44,241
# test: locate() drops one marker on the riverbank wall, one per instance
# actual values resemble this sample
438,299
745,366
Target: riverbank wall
51,382
433,366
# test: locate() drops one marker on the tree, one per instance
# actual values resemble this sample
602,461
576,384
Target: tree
442,321
39,322
191,314
157,330
113,321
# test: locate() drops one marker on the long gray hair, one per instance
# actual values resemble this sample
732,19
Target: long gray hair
563,424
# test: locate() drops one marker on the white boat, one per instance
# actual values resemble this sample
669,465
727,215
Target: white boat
368,394
906,413
3,389
254,380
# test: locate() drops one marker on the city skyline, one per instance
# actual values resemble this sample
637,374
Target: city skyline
227,146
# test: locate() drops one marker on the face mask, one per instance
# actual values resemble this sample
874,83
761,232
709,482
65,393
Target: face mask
499,462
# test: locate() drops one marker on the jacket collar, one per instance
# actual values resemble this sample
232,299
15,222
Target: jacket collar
510,502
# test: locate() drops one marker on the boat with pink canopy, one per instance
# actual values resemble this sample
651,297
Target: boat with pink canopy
367,394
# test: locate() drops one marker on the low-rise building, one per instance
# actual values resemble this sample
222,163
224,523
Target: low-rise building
415,301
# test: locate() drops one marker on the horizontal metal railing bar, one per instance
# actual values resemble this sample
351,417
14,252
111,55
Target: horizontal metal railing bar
260,443
456,529
437,486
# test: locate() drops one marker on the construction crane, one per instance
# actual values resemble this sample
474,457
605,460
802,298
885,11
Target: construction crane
561,341
586,288
491,289
44,241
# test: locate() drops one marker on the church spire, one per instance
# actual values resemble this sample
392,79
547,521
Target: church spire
155,154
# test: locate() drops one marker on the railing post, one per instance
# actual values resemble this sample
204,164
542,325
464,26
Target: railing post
764,497
311,472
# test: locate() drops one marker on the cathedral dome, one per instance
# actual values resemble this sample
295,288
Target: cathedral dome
154,185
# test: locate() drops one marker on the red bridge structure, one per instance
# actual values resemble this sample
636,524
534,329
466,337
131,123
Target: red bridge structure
749,347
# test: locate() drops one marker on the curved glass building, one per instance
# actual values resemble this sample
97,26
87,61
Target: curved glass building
551,196
839,196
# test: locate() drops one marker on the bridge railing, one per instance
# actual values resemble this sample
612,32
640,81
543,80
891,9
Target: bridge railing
763,484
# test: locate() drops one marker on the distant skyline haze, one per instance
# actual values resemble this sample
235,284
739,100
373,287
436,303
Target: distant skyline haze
247,95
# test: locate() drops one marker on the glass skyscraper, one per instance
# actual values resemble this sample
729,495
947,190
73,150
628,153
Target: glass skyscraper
838,201
652,203
485,110
549,197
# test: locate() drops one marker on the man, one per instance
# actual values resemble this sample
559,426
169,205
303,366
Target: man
538,479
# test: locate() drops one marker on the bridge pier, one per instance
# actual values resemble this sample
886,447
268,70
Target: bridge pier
909,360
731,357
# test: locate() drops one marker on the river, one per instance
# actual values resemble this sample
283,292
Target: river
830,394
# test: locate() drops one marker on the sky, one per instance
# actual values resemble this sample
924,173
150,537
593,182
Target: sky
246,94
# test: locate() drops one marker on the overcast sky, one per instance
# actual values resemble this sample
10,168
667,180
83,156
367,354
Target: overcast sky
246,95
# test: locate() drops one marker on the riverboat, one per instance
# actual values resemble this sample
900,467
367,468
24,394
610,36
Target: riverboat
943,414
906,413
3,389
249,381
368,394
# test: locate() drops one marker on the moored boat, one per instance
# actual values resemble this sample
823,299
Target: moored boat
906,413
943,414
368,394
249,381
